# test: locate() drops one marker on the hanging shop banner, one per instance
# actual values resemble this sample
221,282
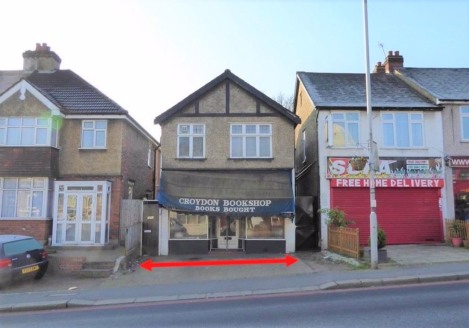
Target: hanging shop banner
391,173
228,206
459,162
233,193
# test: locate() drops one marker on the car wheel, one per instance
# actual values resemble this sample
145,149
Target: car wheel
40,274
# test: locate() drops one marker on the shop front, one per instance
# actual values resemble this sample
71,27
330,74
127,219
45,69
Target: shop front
226,211
408,197
460,174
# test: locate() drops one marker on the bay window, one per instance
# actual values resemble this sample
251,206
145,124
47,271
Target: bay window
28,131
23,197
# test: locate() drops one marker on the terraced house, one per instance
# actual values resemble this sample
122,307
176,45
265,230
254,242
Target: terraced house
408,131
68,155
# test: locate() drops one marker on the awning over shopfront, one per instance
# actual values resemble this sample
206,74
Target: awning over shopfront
231,193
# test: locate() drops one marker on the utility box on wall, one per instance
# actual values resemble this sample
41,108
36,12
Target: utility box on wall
150,229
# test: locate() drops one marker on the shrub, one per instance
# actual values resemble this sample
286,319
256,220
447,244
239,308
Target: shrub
336,217
382,242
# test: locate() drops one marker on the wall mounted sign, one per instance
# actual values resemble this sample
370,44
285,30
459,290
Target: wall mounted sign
392,173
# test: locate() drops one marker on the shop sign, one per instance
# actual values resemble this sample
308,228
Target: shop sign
459,162
389,183
228,206
400,169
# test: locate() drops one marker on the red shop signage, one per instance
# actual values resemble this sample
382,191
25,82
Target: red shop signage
388,183
459,162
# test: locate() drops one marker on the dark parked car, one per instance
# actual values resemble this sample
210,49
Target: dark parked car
21,257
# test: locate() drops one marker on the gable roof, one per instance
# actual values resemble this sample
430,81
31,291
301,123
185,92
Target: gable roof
227,76
67,92
444,84
347,90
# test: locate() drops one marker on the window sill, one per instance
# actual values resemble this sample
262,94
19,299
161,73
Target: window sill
403,148
251,159
190,159
87,149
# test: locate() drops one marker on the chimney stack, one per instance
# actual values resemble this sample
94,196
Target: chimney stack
379,68
393,62
42,59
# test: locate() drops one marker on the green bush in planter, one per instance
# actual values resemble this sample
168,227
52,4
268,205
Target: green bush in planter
381,239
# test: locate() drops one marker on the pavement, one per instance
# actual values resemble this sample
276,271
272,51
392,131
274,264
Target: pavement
314,271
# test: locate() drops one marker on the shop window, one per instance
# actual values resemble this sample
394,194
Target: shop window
265,227
188,226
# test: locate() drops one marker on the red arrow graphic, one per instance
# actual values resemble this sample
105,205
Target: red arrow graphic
149,264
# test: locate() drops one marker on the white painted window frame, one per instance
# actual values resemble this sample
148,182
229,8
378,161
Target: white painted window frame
191,135
244,135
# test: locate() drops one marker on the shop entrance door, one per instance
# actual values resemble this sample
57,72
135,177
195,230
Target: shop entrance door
227,233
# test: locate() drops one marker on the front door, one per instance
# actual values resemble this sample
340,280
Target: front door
79,218
227,233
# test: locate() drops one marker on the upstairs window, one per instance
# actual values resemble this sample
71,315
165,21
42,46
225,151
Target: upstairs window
251,141
465,123
344,129
402,130
191,141
28,131
93,134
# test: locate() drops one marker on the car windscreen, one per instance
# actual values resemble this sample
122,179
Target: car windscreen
20,246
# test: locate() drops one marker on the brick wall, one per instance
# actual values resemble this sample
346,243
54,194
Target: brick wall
39,229
135,163
29,161
65,264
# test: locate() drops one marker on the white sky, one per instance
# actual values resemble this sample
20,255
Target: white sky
149,55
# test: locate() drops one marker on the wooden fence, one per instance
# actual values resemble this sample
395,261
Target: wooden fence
131,226
344,241
462,226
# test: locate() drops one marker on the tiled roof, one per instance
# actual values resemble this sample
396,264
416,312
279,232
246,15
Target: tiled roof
443,83
339,90
73,94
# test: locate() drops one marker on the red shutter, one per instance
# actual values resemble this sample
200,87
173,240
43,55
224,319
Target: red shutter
408,215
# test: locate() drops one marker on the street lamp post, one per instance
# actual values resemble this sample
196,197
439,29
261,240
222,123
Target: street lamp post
372,157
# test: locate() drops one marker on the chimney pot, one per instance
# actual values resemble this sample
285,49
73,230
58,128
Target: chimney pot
390,53
396,53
